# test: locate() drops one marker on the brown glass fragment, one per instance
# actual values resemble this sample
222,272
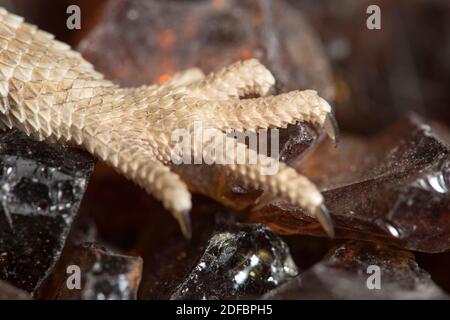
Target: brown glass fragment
348,272
105,275
393,187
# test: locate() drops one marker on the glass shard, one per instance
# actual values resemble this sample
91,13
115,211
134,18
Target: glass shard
241,261
104,275
392,187
41,188
362,270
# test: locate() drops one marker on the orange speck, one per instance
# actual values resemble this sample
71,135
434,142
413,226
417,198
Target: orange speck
163,78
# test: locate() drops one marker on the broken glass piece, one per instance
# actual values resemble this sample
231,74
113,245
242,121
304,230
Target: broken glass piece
240,261
362,270
392,187
8,292
41,186
104,275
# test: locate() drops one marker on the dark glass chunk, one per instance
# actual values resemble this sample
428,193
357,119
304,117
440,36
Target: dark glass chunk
239,261
392,187
362,270
41,188
104,274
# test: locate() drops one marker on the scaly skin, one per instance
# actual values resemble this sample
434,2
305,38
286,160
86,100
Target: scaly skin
49,92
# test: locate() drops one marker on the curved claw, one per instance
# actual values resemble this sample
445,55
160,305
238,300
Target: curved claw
331,127
323,216
184,220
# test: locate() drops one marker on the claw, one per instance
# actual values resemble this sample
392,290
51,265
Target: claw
331,127
323,215
184,220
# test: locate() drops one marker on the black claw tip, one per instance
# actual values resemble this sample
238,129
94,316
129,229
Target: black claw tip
323,215
332,128
184,221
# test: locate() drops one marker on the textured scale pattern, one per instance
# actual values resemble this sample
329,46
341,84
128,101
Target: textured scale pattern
51,93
